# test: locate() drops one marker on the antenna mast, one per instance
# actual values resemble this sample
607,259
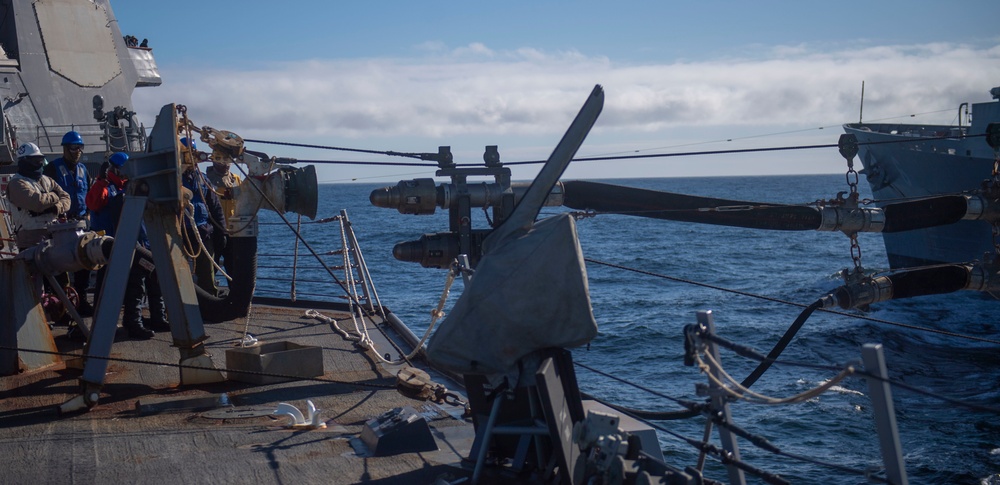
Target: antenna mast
861,112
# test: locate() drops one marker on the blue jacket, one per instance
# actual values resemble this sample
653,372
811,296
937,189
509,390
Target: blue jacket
207,207
75,184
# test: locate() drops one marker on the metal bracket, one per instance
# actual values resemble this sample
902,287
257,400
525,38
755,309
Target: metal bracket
309,421
885,413
720,405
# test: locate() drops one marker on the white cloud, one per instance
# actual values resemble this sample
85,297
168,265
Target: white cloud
476,92
476,49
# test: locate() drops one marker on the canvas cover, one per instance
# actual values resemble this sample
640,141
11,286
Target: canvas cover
529,292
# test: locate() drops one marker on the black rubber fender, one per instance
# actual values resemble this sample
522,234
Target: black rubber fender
240,262
241,265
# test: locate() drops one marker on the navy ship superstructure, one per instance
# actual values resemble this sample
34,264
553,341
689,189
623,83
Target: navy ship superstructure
65,65
515,414
909,161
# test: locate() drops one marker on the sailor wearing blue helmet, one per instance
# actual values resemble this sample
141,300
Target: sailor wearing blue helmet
208,220
105,200
73,177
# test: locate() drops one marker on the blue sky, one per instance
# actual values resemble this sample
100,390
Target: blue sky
678,76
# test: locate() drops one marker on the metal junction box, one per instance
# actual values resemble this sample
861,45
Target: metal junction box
282,361
400,430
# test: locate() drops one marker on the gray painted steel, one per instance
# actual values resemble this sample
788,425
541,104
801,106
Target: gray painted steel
59,54
121,441
885,414
902,162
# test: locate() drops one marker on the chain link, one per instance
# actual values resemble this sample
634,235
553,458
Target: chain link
848,146
852,180
189,154
856,253
994,188
996,165
996,239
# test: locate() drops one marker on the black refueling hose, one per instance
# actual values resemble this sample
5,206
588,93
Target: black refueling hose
241,265
903,216
782,343
920,214
240,261
935,280
583,195
929,281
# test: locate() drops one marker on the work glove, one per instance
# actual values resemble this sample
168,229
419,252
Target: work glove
50,210
205,231
219,241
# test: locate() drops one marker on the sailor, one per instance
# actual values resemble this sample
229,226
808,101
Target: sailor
36,200
223,180
207,218
106,199
73,177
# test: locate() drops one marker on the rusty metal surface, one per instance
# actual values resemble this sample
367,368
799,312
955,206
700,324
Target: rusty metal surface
22,322
113,443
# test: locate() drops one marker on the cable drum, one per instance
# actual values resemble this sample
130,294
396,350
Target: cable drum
415,383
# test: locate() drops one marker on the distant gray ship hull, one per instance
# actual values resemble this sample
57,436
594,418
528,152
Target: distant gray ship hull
912,161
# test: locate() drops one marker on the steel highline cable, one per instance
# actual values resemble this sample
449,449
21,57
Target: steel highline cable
800,305
343,149
584,159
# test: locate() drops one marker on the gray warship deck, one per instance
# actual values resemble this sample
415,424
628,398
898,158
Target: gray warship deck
133,435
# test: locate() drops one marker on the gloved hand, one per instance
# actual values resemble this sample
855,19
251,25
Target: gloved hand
219,241
103,173
50,210
205,231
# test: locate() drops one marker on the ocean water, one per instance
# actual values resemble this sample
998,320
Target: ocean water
641,317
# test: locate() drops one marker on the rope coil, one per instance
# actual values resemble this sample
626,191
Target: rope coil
363,340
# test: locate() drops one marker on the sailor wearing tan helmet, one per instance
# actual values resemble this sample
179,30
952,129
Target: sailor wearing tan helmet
36,199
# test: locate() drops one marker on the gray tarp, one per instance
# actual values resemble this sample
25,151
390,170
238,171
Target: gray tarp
529,292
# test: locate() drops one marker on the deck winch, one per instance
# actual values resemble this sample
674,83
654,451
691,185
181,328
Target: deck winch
157,198
69,249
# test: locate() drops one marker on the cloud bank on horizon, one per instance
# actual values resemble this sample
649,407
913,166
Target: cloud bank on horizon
474,94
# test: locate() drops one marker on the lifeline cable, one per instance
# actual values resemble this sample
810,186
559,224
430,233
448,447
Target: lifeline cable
917,390
750,353
195,367
785,302
697,408
687,404
764,444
